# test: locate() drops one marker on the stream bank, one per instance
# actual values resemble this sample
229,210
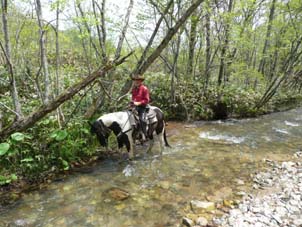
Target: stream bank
275,199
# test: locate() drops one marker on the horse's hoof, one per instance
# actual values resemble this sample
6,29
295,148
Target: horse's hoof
130,157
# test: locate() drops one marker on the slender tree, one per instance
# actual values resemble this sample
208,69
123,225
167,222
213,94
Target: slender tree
43,53
101,27
225,46
60,114
207,72
192,43
164,42
124,30
155,31
7,52
267,37
88,29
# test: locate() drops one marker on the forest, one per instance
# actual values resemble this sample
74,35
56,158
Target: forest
63,63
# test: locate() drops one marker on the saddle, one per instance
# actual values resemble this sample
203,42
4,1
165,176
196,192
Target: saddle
149,117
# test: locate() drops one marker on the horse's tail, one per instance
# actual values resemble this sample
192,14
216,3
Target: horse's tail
165,138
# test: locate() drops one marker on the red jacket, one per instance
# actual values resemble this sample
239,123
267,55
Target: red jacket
141,94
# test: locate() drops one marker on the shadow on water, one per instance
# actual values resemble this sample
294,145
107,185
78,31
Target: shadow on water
206,162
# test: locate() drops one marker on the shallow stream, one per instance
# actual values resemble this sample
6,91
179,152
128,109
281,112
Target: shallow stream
206,162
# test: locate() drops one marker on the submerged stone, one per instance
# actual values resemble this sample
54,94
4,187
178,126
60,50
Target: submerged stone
202,206
118,194
201,221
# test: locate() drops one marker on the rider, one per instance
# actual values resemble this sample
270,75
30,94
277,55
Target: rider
140,99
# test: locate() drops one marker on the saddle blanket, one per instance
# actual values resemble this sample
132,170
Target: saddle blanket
150,117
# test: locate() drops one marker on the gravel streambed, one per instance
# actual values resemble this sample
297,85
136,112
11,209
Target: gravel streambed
276,200
277,203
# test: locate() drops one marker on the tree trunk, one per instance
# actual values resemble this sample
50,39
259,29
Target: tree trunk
158,23
43,56
1,115
30,120
6,51
123,33
60,115
172,31
192,43
93,108
288,65
84,46
174,68
88,29
101,28
267,37
175,48
225,47
208,51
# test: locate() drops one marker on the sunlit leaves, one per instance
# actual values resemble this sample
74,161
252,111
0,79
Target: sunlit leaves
4,147
65,164
7,179
59,135
30,159
18,136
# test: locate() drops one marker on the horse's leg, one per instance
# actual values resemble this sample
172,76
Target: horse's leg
160,137
151,142
130,146
151,139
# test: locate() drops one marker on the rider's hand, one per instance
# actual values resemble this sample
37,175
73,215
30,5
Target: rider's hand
137,103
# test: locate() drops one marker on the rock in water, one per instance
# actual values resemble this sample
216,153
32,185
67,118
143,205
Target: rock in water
118,194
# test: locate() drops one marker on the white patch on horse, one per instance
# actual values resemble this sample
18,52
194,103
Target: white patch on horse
121,118
120,124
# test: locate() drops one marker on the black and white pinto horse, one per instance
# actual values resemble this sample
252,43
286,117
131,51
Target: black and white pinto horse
126,132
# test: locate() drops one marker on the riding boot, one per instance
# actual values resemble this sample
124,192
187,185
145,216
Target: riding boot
144,130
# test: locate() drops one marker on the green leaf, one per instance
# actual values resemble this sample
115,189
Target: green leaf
45,122
13,177
85,130
30,159
6,180
59,135
4,148
65,164
18,136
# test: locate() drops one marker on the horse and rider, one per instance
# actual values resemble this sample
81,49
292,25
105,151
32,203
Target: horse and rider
140,100
141,121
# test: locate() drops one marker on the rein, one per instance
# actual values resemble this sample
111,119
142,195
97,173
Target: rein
121,132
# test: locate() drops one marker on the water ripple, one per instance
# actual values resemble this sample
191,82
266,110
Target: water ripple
291,123
283,131
129,171
232,139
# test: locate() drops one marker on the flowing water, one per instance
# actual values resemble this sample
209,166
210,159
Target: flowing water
205,161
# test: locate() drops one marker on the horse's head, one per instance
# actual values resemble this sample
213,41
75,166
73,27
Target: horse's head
101,131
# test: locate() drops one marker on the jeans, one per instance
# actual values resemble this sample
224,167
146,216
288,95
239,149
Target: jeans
142,117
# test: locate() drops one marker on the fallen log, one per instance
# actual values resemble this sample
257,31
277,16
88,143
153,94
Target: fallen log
31,119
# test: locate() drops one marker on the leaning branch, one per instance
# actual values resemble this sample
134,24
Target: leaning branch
145,64
30,120
172,31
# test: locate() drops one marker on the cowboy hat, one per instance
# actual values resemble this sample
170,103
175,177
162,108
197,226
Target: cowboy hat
138,77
